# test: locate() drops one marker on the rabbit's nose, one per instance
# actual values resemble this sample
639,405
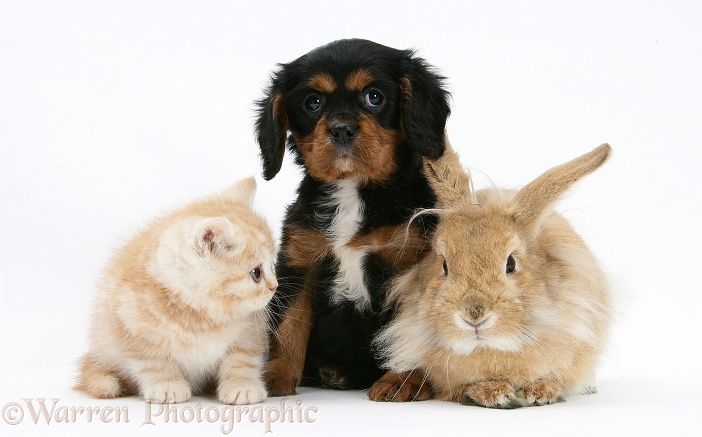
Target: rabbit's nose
476,311
481,323
477,314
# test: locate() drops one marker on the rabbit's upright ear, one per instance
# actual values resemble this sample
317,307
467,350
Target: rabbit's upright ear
448,179
537,197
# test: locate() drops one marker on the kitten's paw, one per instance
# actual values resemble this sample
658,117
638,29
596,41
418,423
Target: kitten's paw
96,380
168,392
542,392
241,392
100,385
492,394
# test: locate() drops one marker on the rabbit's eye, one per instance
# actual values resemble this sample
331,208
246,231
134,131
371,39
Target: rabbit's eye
445,268
511,264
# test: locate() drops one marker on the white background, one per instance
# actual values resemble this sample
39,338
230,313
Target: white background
111,112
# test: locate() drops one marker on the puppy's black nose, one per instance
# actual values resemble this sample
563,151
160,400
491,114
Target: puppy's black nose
343,133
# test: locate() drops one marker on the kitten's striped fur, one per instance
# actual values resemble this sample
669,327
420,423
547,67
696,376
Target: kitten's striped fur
183,305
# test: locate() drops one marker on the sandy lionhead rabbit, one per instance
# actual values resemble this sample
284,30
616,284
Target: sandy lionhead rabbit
510,308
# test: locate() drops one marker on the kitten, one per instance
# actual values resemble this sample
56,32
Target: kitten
183,305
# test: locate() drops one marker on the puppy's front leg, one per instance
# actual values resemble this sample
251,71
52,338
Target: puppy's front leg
400,387
288,346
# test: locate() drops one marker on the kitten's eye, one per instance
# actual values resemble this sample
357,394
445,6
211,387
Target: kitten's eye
445,268
511,265
374,98
256,274
313,102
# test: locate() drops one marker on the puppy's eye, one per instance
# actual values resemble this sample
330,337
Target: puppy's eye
374,98
256,274
445,268
511,264
313,102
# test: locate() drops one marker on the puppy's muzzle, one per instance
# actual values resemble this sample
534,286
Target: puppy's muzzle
343,133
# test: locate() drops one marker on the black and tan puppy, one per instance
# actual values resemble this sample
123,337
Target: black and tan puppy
358,117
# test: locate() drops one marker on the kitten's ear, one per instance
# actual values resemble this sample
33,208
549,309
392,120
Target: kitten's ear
216,236
242,191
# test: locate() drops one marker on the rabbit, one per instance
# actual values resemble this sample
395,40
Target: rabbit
510,308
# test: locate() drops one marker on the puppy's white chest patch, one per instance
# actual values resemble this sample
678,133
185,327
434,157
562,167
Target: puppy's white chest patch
350,282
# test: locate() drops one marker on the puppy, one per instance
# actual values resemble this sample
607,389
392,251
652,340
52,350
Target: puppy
358,117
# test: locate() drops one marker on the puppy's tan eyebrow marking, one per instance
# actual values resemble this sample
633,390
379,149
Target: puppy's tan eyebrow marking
406,87
358,80
322,82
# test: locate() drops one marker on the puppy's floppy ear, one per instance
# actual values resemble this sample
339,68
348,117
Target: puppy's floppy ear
272,126
424,106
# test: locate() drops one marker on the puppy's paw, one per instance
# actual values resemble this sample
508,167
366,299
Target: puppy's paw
400,387
241,392
492,394
280,379
168,392
334,377
542,392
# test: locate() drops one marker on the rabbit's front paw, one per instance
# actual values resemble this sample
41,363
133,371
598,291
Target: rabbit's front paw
542,392
491,394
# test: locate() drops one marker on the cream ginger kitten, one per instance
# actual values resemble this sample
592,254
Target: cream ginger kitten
183,305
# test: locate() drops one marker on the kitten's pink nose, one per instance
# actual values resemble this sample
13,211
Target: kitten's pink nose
274,287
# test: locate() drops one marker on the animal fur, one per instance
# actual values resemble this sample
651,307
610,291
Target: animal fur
358,117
